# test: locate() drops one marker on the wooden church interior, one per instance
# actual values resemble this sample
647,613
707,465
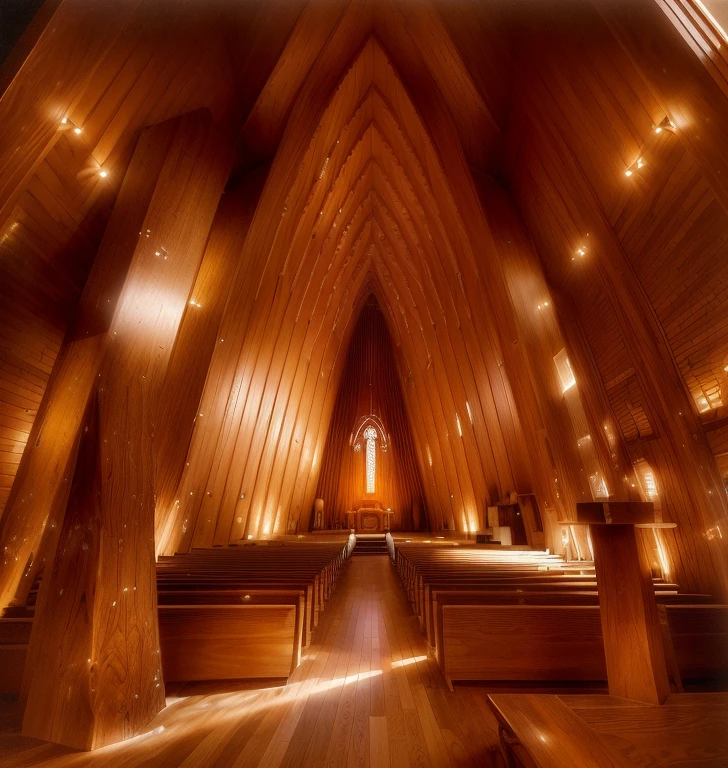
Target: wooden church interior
364,383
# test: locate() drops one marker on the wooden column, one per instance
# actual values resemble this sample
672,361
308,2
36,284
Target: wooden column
636,667
93,672
38,498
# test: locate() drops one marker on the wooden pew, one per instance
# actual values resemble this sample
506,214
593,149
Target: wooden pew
477,605
560,640
526,594
242,612
14,639
213,641
595,731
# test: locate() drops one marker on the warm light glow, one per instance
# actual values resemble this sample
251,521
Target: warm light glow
666,124
194,303
639,163
103,173
661,553
370,435
407,662
470,413
566,374
77,130
650,486
457,421
598,486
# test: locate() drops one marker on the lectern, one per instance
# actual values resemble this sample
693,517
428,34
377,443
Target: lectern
636,667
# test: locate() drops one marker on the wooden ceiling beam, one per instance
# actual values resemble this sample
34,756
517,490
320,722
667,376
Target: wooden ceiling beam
32,105
430,66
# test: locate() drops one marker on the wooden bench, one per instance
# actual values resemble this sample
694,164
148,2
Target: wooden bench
563,642
498,615
230,642
543,731
243,612
14,639
538,592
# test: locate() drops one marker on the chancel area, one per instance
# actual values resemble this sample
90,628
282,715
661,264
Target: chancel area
364,383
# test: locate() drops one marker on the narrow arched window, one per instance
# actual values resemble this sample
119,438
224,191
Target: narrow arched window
370,435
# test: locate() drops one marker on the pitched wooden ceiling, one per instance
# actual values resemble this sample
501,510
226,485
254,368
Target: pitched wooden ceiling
391,141
365,207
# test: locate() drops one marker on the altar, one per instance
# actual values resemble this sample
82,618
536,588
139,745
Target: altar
369,519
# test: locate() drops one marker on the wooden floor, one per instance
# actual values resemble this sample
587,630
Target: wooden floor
365,694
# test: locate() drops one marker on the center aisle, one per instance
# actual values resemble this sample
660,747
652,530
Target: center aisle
365,694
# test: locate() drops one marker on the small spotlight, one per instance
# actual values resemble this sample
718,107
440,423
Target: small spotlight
628,172
64,121
77,130
640,163
665,125
103,173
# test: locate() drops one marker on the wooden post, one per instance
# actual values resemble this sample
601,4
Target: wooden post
636,666
38,498
93,672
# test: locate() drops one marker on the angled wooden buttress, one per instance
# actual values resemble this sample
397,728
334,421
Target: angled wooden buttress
93,670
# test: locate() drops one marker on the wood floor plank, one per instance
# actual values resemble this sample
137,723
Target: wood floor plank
365,694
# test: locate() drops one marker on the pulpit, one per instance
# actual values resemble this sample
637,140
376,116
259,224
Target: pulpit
633,647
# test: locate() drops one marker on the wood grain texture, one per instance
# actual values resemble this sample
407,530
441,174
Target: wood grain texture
227,643
633,648
397,209
489,173
686,729
568,179
552,735
367,662
100,594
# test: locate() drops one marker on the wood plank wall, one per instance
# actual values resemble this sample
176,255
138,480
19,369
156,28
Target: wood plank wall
51,221
648,290
371,173
369,385
384,122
